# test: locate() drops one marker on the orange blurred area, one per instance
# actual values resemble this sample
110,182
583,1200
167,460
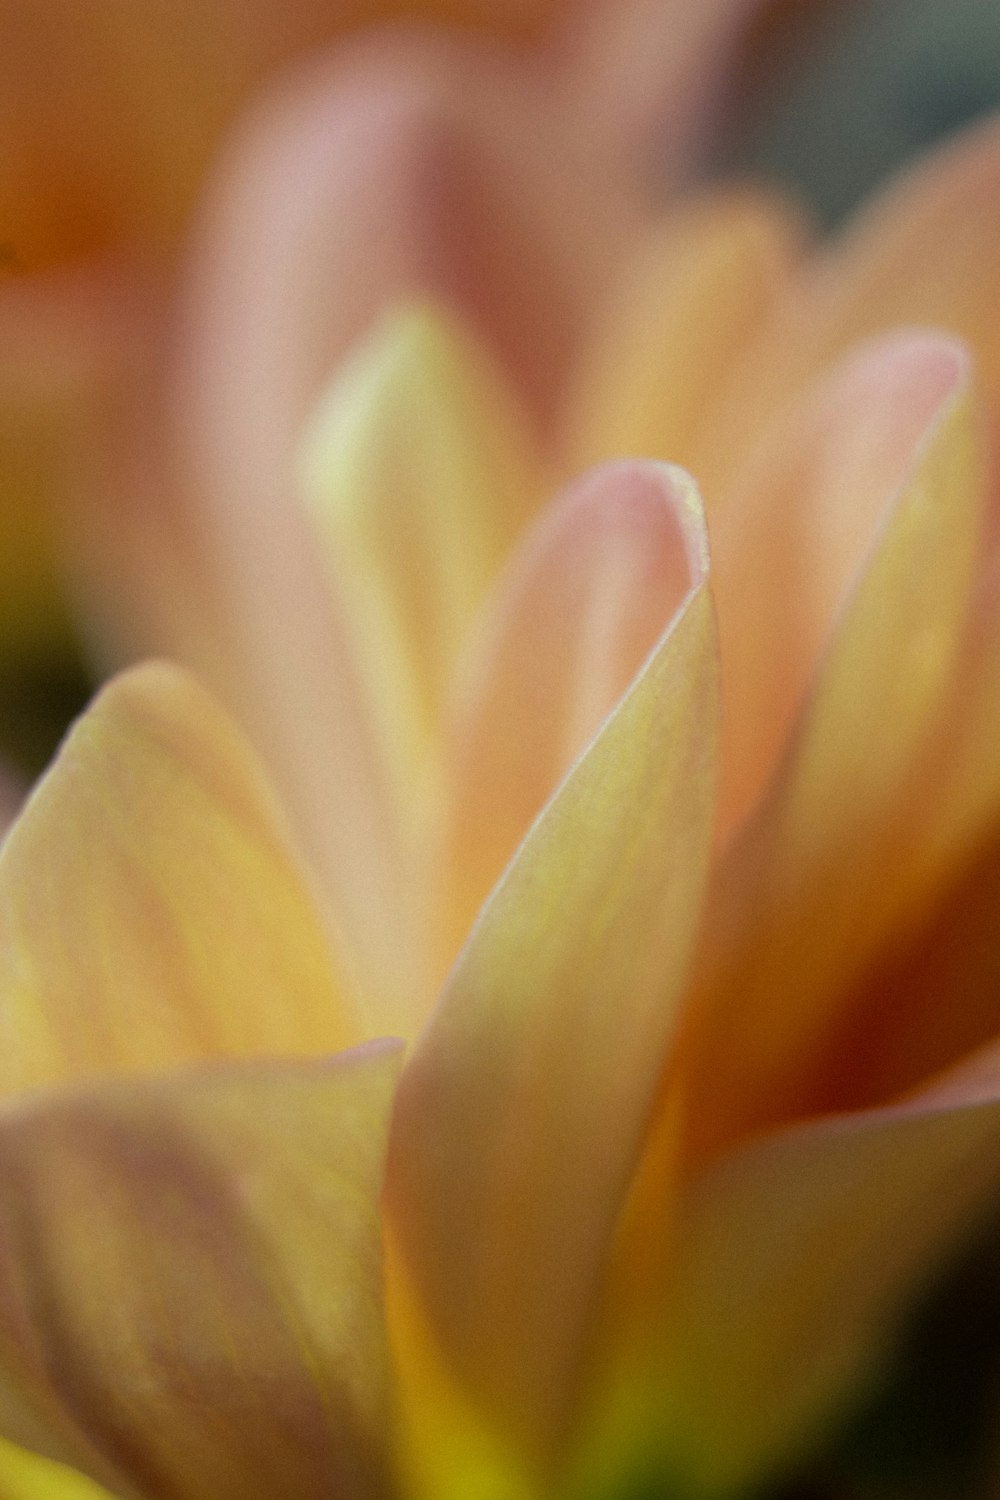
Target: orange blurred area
109,110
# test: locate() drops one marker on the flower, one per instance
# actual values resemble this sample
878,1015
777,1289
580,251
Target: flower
680,1129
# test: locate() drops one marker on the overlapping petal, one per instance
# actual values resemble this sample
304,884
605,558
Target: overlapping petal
191,1279
523,1106
826,855
791,1260
152,910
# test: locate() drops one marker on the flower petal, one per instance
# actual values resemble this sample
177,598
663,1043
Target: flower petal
795,530
419,474
661,357
28,1476
820,878
923,252
790,1260
150,910
191,1276
524,1104
581,607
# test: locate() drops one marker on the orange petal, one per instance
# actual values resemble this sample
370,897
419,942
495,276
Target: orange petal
524,1105
581,607
191,1273
791,1260
151,911
663,353
820,877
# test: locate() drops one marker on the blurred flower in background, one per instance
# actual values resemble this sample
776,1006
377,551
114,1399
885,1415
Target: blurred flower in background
710,1097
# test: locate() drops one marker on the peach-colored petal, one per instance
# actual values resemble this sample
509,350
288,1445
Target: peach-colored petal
790,1260
152,912
191,1276
661,354
582,605
524,1104
819,877
795,529
419,473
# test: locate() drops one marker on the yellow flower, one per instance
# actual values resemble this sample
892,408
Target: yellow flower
660,830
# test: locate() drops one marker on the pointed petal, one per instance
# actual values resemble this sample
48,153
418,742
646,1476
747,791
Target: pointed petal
790,1261
821,877
581,607
150,910
191,1275
525,1101
663,354
419,475
795,530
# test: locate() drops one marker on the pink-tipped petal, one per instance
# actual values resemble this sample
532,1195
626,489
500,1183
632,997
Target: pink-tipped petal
579,610
821,876
524,1104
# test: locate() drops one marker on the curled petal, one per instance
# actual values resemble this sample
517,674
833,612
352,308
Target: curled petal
151,912
190,1272
525,1101
574,618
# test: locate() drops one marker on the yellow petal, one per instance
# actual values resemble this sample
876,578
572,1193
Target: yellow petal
151,912
661,357
26,1476
582,605
191,1272
820,878
418,471
791,1259
523,1108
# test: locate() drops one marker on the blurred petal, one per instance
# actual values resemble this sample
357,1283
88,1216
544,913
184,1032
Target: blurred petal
144,92
27,1476
192,1280
790,1259
419,475
581,607
647,75
364,173
923,252
817,882
151,911
795,531
663,353
524,1105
